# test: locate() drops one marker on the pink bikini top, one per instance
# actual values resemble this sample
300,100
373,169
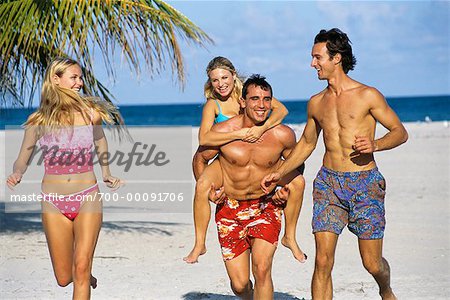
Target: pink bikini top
68,150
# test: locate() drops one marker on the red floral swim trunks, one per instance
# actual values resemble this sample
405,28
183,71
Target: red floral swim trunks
239,221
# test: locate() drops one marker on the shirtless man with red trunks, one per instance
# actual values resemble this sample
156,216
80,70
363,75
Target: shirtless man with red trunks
248,221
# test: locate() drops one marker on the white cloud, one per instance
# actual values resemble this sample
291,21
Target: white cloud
405,40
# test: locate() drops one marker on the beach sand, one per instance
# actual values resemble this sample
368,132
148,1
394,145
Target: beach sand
139,255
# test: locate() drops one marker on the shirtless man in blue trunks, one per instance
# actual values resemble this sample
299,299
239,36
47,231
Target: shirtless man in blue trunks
348,189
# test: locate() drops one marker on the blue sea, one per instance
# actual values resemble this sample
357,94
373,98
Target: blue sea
409,109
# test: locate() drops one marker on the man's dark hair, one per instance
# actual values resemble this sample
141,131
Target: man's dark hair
338,42
257,80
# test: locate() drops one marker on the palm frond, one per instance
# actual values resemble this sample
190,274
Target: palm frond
34,32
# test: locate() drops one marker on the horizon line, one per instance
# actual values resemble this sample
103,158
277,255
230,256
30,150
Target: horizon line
199,103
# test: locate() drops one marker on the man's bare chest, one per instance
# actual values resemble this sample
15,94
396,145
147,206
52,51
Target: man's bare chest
341,113
261,154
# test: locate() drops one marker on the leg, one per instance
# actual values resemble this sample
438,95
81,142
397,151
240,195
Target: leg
322,285
262,258
376,265
86,230
59,234
291,214
202,209
238,270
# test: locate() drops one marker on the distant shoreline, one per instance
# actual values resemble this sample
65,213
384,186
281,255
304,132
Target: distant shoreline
412,109
445,123
201,102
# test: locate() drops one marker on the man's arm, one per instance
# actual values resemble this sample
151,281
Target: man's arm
301,151
305,145
384,114
287,137
201,159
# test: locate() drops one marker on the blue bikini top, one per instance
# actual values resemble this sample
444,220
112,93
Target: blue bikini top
220,116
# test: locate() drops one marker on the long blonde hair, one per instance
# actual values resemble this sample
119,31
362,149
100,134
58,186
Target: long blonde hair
58,104
220,62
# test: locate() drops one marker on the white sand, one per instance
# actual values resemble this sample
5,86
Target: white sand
139,256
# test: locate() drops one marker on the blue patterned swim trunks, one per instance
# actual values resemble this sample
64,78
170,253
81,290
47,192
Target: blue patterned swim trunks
353,198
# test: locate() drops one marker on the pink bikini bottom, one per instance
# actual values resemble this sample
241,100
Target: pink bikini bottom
69,205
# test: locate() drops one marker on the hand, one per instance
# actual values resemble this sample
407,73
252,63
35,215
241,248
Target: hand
269,182
112,182
216,196
254,134
13,180
281,196
364,144
241,133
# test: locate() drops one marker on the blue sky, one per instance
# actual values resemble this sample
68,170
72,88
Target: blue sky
402,48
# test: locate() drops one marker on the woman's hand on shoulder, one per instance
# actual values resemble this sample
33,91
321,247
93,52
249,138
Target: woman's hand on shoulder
254,134
244,135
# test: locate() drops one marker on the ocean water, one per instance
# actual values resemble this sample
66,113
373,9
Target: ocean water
409,109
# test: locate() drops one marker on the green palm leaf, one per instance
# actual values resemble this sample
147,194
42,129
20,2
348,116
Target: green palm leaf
34,32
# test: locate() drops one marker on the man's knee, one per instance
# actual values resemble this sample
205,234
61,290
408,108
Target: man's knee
240,286
373,266
324,262
261,270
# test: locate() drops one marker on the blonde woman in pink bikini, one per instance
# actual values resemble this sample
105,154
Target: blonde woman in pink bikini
222,90
67,127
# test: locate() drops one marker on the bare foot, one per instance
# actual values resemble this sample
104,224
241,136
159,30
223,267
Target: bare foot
293,246
192,257
388,295
93,282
